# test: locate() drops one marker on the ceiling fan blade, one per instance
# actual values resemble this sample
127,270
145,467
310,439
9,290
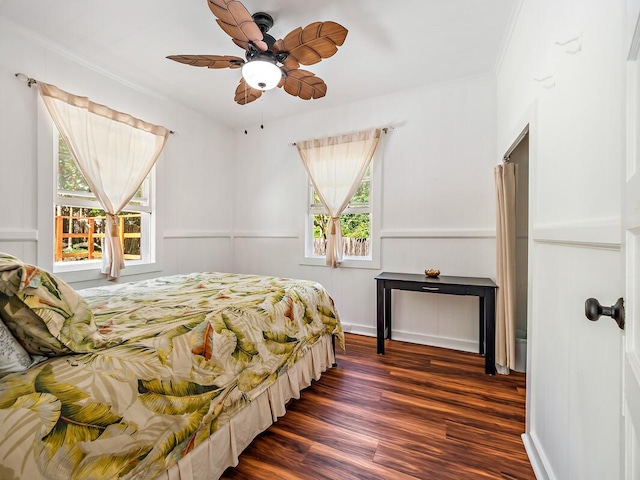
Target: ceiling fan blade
209,61
304,84
246,94
314,42
241,44
237,22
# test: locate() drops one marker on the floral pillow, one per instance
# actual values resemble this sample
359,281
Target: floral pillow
13,358
44,313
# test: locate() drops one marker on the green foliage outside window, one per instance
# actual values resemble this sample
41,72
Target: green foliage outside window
69,177
354,225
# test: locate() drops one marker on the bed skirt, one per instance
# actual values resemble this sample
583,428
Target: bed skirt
210,459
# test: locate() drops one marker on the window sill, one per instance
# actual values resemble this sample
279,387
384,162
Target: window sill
91,271
369,264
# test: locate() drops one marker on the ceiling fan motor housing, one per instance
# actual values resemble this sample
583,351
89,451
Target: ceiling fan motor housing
263,20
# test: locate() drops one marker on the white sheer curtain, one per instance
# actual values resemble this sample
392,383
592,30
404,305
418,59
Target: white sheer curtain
336,166
113,150
505,176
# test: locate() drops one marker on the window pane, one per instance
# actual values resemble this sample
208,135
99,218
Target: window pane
80,221
361,197
80,232
69,176
315,198
320,222
356,227
355,234
142,195
71,182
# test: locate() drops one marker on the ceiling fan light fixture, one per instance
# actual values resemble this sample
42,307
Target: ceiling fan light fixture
268,62
261,73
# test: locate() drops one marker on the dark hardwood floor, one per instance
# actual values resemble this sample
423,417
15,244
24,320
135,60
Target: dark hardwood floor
416,412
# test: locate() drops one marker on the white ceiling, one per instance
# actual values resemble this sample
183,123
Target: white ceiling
391,46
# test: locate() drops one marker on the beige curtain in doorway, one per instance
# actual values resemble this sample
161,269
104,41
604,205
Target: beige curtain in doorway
505,176
114,151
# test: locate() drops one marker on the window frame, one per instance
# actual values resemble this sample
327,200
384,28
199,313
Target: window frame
47,188
86,199
374,209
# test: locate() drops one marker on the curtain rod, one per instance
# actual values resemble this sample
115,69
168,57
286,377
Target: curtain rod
385,130
30,81
506,158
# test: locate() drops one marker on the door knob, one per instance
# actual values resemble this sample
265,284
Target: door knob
593,310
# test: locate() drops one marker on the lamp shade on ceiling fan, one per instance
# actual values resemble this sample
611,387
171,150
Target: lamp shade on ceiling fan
261,74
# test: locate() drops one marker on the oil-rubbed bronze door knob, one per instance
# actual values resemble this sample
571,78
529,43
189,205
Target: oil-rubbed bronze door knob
593,311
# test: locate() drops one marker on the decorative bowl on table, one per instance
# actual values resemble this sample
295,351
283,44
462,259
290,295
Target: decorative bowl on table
432,272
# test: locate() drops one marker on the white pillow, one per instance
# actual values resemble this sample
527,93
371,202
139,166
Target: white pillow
13,358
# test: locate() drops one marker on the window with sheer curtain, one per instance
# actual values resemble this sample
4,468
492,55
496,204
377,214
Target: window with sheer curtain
114,152
336,167
355,221
79,219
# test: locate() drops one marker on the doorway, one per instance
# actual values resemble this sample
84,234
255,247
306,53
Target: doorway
518,154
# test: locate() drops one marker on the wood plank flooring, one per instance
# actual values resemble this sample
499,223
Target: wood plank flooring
417,412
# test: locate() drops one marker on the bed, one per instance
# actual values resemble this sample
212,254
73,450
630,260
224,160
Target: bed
167,378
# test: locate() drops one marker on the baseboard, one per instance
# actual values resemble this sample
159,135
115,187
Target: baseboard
535,458
443,342
359,329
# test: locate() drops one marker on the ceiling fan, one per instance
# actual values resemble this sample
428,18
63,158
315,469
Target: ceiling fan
270,62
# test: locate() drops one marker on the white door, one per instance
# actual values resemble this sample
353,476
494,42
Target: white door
576,373
631,256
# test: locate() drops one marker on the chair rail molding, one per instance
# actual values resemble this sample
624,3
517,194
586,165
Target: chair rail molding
603,233
18,235
174,234
266,235
440,233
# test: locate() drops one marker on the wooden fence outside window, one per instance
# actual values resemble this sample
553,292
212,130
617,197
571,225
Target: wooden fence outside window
76,237
351,247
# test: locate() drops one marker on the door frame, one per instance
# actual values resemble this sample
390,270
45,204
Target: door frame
631,352
529,124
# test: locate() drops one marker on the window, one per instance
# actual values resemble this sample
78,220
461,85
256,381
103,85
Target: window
79,219
355,222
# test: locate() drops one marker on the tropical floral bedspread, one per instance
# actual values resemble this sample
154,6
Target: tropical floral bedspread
179,356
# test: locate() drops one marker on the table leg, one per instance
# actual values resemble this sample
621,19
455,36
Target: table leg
490,331
387,312
481,317
380,317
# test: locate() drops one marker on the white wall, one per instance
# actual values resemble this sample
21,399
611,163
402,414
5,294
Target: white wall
240,206
195,194
572,97
437,205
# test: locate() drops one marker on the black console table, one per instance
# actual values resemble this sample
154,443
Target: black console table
483,288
